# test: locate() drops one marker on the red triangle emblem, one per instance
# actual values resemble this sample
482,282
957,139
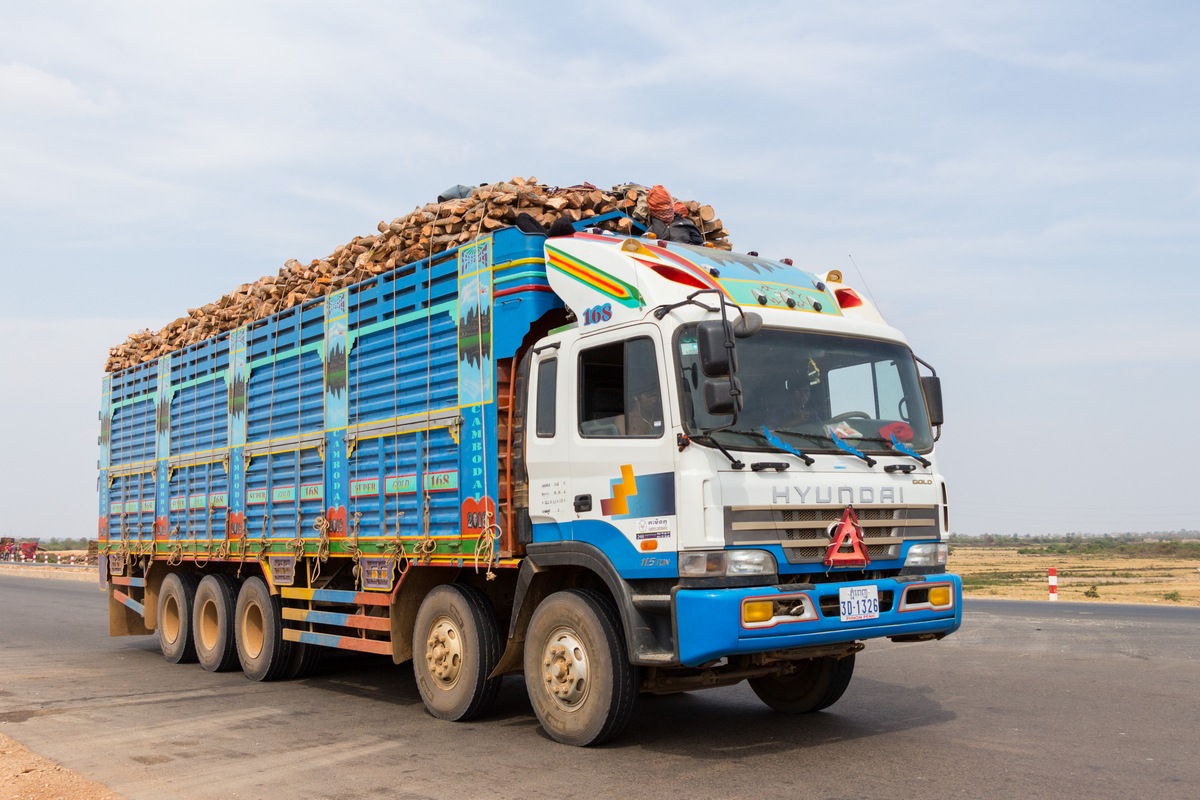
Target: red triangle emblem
847,548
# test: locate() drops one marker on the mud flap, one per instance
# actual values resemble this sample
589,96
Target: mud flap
123,619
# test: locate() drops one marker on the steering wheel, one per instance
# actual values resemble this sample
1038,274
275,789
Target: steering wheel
849,415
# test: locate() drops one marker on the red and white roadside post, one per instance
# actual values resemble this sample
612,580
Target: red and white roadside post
1053,578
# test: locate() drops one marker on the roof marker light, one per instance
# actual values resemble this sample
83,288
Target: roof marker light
677,275
848,298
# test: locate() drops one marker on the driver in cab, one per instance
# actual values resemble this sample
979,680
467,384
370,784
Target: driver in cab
791,406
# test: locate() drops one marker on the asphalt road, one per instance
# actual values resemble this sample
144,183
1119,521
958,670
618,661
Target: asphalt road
1028,700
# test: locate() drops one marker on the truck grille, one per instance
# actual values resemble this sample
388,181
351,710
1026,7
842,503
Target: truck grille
803,531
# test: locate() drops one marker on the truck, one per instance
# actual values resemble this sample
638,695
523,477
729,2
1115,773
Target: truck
613,464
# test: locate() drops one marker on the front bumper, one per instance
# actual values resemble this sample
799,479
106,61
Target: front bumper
709,621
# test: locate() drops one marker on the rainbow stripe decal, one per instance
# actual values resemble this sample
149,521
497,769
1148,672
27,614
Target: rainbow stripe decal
624,293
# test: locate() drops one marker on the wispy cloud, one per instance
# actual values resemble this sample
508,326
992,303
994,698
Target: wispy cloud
25,89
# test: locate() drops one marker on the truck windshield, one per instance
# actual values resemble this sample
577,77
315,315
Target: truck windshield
809,388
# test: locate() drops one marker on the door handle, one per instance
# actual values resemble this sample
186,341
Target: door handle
583,502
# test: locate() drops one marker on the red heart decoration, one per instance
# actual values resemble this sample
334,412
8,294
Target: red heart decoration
477,515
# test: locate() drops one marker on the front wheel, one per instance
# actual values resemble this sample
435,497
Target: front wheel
580,682
816,684
456,645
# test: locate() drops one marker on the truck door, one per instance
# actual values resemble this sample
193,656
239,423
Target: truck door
619,434
545,444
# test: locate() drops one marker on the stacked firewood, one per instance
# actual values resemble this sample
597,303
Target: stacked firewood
419,234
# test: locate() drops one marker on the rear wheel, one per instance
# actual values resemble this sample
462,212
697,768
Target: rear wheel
258,628
306,660
816,684
176,599
212,623
577,672
456,645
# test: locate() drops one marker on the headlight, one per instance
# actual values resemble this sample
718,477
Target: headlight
927,555
723,563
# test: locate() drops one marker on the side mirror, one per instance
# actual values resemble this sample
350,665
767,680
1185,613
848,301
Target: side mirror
931,387
715,358
746,325
723,395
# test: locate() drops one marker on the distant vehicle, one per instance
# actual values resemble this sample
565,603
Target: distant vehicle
13,550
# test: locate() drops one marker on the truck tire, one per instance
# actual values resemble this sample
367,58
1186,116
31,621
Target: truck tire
306,660
176,599
456,645
212,623
258,628
577,672
816,684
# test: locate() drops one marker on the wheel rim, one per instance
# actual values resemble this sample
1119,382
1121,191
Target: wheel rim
252,630
210,625
443,652
170,621
565,669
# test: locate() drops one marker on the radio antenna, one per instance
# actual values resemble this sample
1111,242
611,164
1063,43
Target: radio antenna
864,280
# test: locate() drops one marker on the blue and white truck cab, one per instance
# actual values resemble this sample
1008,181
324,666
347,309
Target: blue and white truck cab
745,452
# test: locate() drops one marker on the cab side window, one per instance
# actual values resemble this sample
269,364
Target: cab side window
619,392
547,376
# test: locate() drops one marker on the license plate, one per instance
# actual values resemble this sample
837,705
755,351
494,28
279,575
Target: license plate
858,602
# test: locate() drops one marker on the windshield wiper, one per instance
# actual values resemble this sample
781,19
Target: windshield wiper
766,436
842,444
779,444
908,451
899,447
708,439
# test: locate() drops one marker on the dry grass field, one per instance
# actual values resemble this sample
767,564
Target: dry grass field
1004,572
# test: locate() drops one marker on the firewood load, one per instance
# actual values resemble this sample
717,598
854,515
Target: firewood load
419,234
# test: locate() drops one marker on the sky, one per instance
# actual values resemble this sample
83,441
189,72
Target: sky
1015,184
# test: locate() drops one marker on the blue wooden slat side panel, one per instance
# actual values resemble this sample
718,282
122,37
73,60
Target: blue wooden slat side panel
105,458
106,415
132,415
384,475
258,493
131,507
132,429
441,483
284,493
199,396
389,476
199,415
285,389
310,493
403,343
199,501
